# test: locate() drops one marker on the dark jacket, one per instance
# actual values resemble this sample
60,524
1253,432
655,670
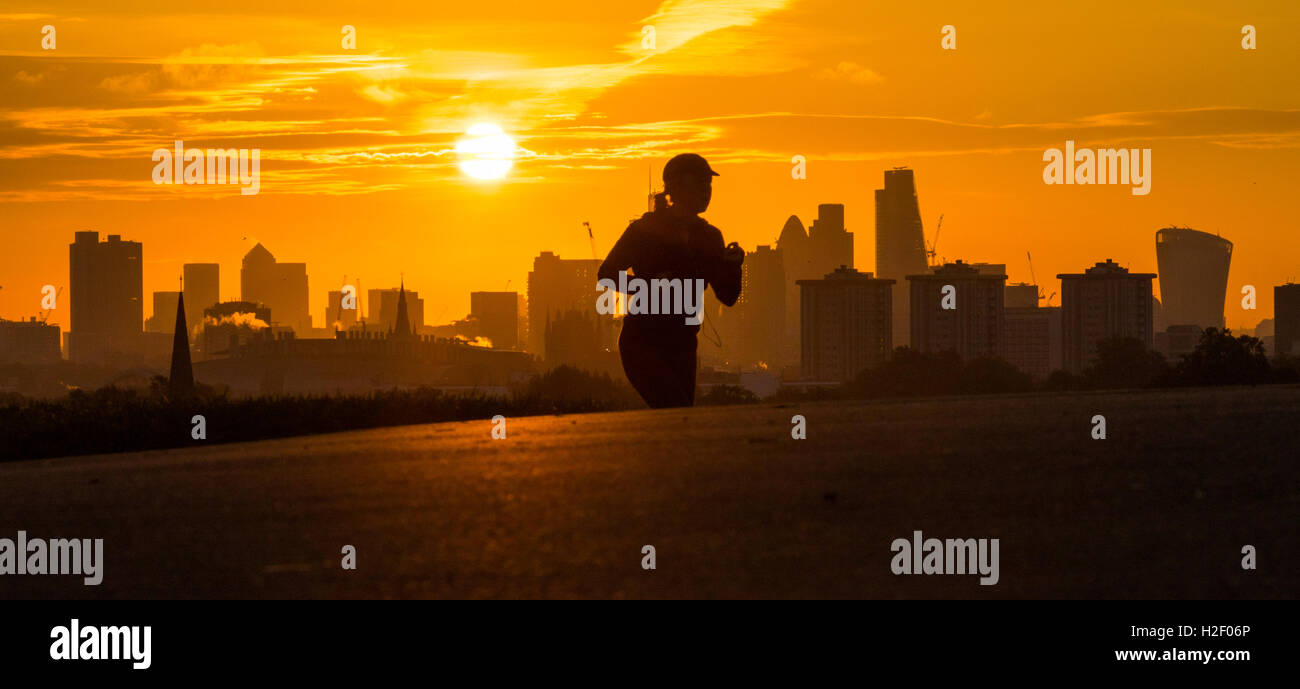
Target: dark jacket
663,244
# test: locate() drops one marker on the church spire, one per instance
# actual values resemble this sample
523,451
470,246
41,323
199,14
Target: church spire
403,327
181,382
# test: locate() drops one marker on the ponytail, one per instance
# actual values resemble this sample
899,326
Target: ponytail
661,201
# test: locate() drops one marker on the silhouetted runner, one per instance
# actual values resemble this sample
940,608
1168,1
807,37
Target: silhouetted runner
658,350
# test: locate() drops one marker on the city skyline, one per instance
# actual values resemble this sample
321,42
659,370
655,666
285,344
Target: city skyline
204,278
231,289
966,308
359,176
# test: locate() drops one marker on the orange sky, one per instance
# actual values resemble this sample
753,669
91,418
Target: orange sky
359,177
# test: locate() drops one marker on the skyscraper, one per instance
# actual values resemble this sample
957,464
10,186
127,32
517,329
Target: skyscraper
106,296
900,242
337,317
1193,269
1104,302
845,322
809,256
973,327
555,286
722,340
1286,319
796,263
830,243
164,312
578,338
281,286
202,285
762,307
521,308
498,317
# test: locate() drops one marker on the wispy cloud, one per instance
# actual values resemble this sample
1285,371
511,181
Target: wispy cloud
348,123
334,114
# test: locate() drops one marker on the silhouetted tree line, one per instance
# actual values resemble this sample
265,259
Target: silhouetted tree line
1218,359
113,419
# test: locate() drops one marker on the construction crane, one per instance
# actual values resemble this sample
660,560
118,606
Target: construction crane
46,315
592,237
929,250
1034,277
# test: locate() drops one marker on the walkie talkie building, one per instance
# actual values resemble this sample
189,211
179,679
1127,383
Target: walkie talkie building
1193,269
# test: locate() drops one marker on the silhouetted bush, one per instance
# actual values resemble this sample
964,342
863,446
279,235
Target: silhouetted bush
726,394
1221,359
992,375
568,389
1125,362
912,373
1061,380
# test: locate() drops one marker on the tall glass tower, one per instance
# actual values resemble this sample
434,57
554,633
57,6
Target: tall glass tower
1193,268
900,244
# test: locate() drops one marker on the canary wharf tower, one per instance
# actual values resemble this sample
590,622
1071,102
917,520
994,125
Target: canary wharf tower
1193,269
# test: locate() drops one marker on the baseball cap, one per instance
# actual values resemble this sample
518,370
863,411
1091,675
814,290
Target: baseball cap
687,163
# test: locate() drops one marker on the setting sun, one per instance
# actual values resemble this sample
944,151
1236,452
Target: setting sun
485,152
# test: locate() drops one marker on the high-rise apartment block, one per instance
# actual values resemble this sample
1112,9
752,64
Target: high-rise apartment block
957,308
846,324
106,296
498,317
1104,302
